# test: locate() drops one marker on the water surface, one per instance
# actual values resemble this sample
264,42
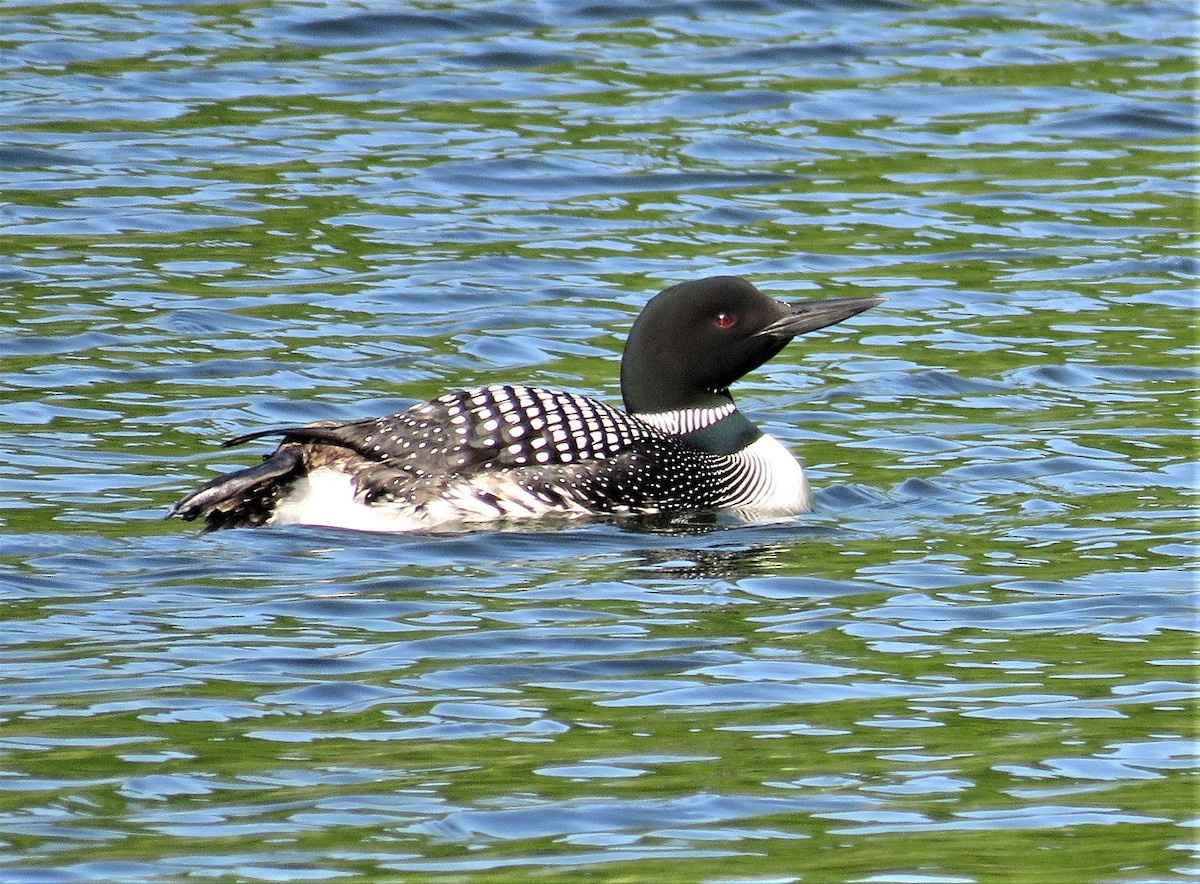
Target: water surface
973,662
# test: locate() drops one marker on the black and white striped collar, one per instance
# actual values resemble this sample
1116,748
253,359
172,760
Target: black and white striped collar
680,421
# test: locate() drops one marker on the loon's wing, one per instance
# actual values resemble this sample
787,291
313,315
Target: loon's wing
456,441
465,437
496,427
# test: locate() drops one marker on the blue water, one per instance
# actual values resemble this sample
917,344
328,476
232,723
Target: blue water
975,661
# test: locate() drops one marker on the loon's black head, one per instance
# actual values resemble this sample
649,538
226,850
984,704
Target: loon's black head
693,340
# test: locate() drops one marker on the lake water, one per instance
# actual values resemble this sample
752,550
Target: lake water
973,662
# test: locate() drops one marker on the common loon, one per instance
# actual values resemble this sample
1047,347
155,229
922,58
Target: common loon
510,452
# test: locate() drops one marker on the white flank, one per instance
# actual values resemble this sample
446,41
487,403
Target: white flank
327,498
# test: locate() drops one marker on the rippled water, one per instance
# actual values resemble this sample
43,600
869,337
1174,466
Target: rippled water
975,660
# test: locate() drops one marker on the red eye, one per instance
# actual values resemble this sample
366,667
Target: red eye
725,320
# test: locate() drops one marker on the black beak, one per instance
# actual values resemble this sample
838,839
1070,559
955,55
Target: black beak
806,316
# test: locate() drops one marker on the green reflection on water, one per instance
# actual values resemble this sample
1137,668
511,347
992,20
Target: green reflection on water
248,259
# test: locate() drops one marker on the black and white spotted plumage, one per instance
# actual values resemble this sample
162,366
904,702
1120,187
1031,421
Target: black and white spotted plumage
511,451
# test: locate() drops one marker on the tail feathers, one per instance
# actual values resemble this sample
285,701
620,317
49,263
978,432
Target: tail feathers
261,434
349,436
244,498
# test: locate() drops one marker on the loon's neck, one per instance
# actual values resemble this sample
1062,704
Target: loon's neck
711,423
727,436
